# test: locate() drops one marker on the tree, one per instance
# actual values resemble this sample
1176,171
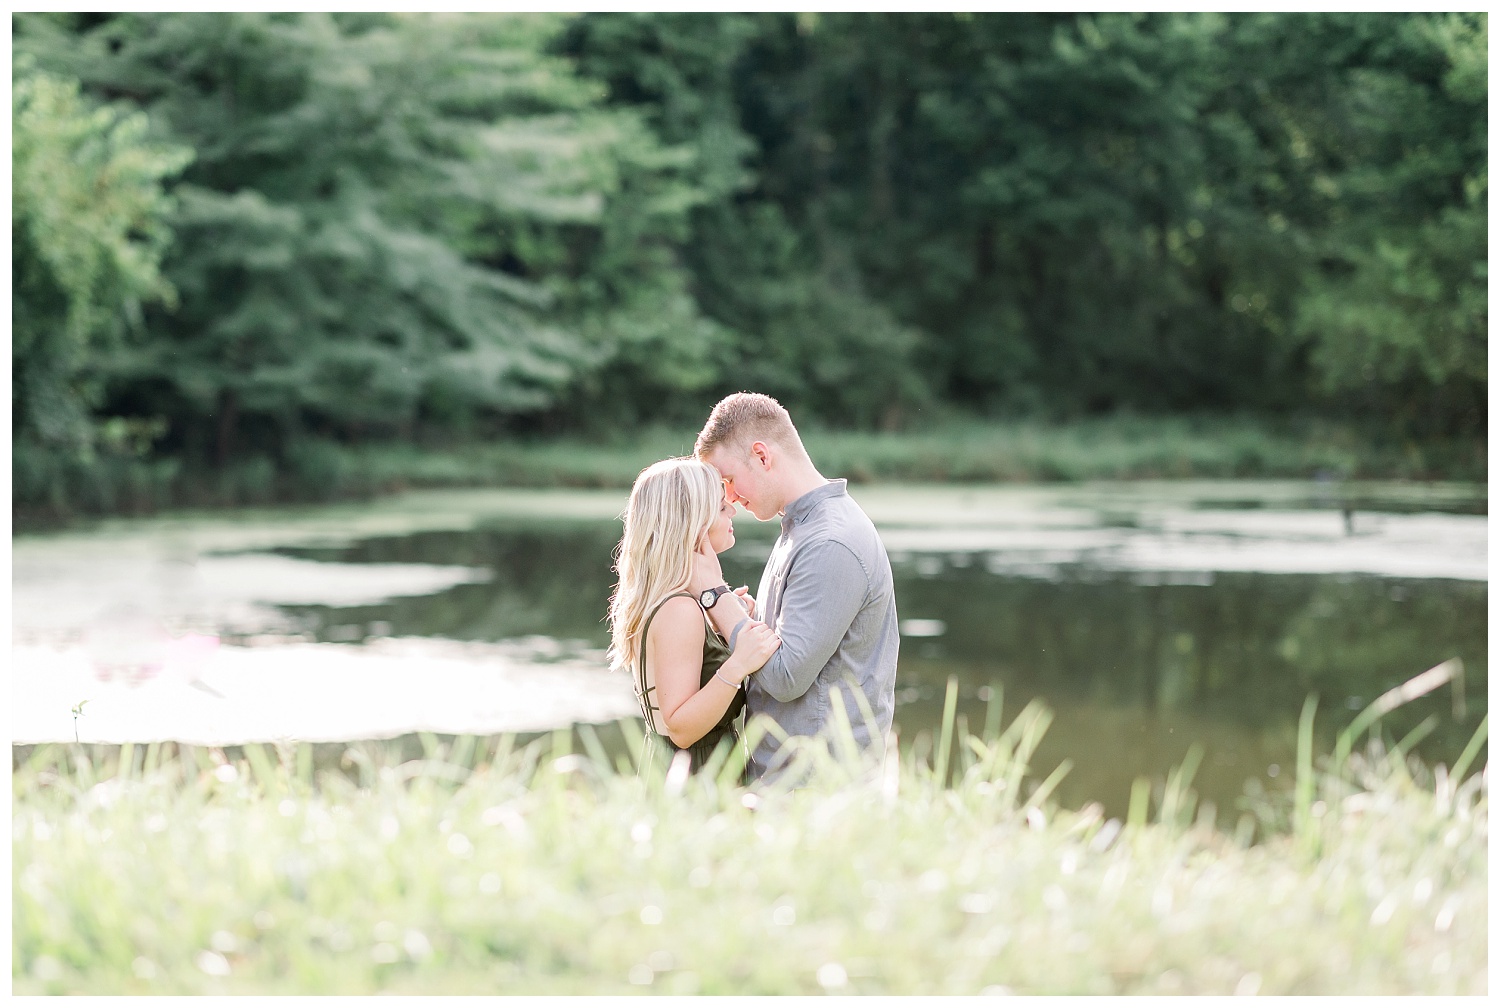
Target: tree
88,231
1071,213
395,223
796,318
437,226
1396,314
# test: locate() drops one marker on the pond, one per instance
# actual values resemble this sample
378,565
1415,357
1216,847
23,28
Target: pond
1148,618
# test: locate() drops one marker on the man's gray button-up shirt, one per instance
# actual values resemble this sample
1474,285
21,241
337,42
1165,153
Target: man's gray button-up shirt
828,592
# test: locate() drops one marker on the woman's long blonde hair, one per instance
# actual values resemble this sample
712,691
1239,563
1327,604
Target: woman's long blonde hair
672,506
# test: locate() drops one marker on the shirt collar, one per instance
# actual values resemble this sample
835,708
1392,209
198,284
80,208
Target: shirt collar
798,510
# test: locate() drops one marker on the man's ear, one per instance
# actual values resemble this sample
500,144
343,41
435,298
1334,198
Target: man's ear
761,452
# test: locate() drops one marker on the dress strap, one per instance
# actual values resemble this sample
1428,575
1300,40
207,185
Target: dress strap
643,692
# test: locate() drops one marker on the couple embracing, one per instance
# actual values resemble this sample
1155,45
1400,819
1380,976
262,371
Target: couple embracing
820,629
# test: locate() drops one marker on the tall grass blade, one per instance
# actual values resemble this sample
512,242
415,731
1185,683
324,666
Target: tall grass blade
890,783
529,761
1416,686
305,762
760,726
82,768
1244,831
153,759
355,756
1031,734
1177,801
562,743
1029,725
1140,802
635,743
921,753
463,751
720,765
505,748
945,738
732,772
863,702
594,747
1044,790
265,772
1417,734
992,711
1302,807
1476,742
844,749
1013,732
677,773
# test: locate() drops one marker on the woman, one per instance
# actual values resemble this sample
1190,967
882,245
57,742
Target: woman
686,678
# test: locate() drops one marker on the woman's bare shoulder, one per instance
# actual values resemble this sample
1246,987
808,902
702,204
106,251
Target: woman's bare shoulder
678,618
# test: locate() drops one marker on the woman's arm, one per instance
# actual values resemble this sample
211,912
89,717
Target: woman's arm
674,654
733,610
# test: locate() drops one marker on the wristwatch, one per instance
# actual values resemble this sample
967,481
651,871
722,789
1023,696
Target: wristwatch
708,598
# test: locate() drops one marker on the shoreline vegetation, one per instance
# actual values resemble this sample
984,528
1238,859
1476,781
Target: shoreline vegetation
956,451
544,867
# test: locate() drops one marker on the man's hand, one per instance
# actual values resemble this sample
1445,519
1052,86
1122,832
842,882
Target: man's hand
706,570
743,591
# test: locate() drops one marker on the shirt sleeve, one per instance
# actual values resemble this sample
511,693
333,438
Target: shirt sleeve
826,587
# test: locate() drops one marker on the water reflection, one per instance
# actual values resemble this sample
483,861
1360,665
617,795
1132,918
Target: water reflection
550,579
1137,666
1138,671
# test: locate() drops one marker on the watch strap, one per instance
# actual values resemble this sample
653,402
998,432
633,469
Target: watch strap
718,592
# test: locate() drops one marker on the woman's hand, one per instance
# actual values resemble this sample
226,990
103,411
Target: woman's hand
752,648
706,570
743,591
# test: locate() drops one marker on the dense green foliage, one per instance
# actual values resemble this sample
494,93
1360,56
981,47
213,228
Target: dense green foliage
415,228
379,224
1076,213
87,235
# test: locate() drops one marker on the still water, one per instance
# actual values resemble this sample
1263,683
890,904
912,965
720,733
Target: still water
1147,628
1150,619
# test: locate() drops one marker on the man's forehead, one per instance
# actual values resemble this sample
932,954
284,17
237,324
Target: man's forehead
721,461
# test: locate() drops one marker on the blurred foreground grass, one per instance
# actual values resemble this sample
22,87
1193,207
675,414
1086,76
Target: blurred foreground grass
969,451
497,868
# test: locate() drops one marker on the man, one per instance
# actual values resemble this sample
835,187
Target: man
827,589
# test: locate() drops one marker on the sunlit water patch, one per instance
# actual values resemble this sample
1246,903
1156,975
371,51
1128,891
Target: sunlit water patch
316,692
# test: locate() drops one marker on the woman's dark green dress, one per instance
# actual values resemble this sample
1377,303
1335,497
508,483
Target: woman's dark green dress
658,745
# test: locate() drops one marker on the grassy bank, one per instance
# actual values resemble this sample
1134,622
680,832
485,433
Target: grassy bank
994,452
495,868
955,451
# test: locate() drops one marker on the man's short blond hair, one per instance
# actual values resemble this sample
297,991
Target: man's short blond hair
744,418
